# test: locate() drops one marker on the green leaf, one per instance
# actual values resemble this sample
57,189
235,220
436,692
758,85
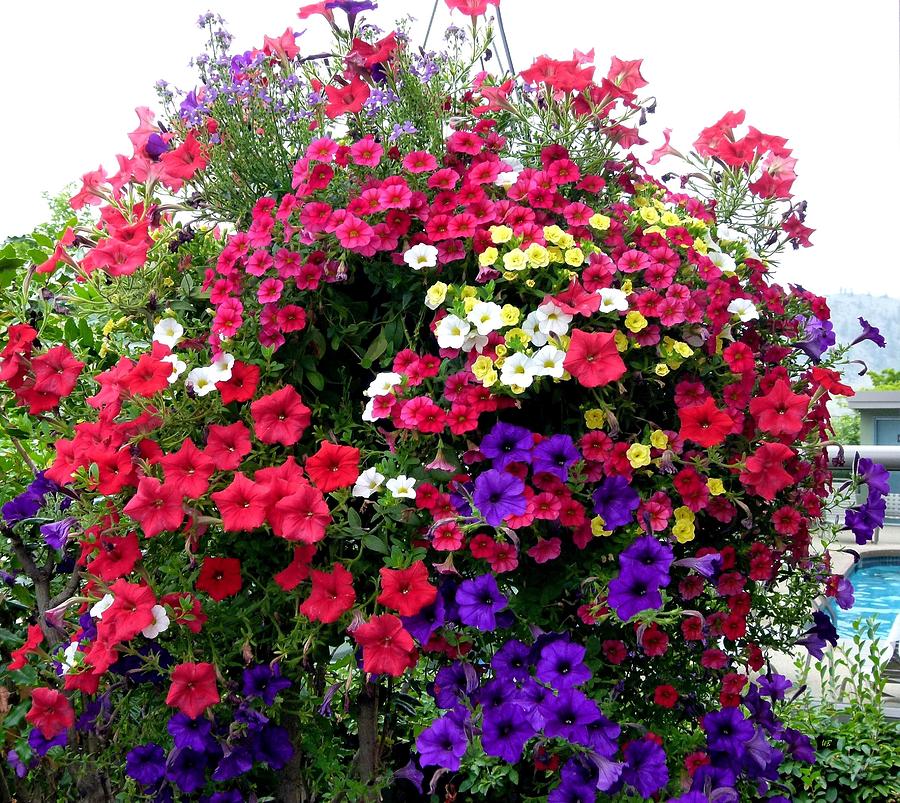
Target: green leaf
316,380
374,543
378,347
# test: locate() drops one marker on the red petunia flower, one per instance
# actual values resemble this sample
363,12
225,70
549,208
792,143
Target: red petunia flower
242,385
301,516
298,569
118,555
593,358
188,469
281,417
226,446
51,712
219,577
32,641
150,375
56,371
242,504
407,591
187,610
780,411
193,689
156,506
764,472
130,613
704,423
387,648
665,696
348,98
333,466
332,595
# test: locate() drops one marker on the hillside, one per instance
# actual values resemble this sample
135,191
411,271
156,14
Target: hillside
880,311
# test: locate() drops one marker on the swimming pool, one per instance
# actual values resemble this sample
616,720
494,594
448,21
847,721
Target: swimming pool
876,588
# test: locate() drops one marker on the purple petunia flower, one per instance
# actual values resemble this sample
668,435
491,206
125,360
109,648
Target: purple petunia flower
691,797
96,708
512,660
615,501
496,693
705,566
727,730
24,506
874,475
602,736
504,732
862,521
411,773
453,683
645,767
42,746
237,760
819,337
822,632
426,621
191,733
773,685
229,796
569,715
265,681
562,665
57,533
186,768
479,600
155,147
16,764
843,593
507,443
799,745
870,332
633,591
555,455
578,782
272,746
146,764
498,495
649,553
442,744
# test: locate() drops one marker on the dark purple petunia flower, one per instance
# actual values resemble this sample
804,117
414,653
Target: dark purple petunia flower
512,660
230,796
602,736
191,733
42,746
799,745
578,782
615,501
690,797
862,521
41,486
411,773
507,443
870,332
569,716
253,719
479,600
555,455
146,764
94,710
727,730
56,533
24,506
645,767
819,337
633,591
652,555
495,693
454,683
237,760
86,621
876,477
532,697
504,732
186,768
705,566
426,621
498,495
265,681
155,147
773,685
562,665
442,744
272,746
843,593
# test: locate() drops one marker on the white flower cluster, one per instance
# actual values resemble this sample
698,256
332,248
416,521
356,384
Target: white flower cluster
370,481
201,380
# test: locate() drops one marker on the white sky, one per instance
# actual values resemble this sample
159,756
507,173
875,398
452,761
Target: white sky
823,73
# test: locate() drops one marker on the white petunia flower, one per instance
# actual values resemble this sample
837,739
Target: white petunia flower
517,370
509,177
475,341
723,261
68,662
552,320
548,361
744,309
530,327
383,384
369,411
485,317
160,622
102,605
421,256
367,483
612,299
202,380
402,487
451,332
168,332
178,367
724,232
222,365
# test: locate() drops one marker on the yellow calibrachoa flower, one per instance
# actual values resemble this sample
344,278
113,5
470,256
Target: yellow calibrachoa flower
501,234
659,439
640,201
481,366
467,291
574,257
552,234
649,214
510,315
490,378
627,286
654,230
515,259
683,531
598,527
566,241
635,322
599,222
638,455
510,275
594,418
168,281
108,327
488,257
529,282
517,389
501,351
621,340
716,486
556,254
700,245
684,513
435,295
669,219
538,256
682,349
469,303
661,369
516,335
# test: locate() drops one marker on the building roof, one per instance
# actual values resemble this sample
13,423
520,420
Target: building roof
875,400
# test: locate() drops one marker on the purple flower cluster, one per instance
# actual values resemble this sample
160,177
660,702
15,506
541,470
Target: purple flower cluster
27,504
643,570
863,520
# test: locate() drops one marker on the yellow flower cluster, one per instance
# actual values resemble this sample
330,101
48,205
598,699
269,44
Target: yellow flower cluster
683,529
562,250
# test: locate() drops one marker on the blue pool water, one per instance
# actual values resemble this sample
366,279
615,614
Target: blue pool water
876,588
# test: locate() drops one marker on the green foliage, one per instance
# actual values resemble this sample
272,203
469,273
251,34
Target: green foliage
846,425
888,379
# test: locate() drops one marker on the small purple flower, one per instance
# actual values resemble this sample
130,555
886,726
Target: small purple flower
156,146
57,533
555,455
819,337
453,683
237,760
569,715
442,744
799,745
42,746
822,632
498,495
24,506
230,796
272,746
645,767
191,733
479,600
504,732
507,443
633,591
773,685
264,681
602,736
16,764
615,501
705,566
186,768
496,693
146,764
843,593
411,773
649,553
562,665
870,332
